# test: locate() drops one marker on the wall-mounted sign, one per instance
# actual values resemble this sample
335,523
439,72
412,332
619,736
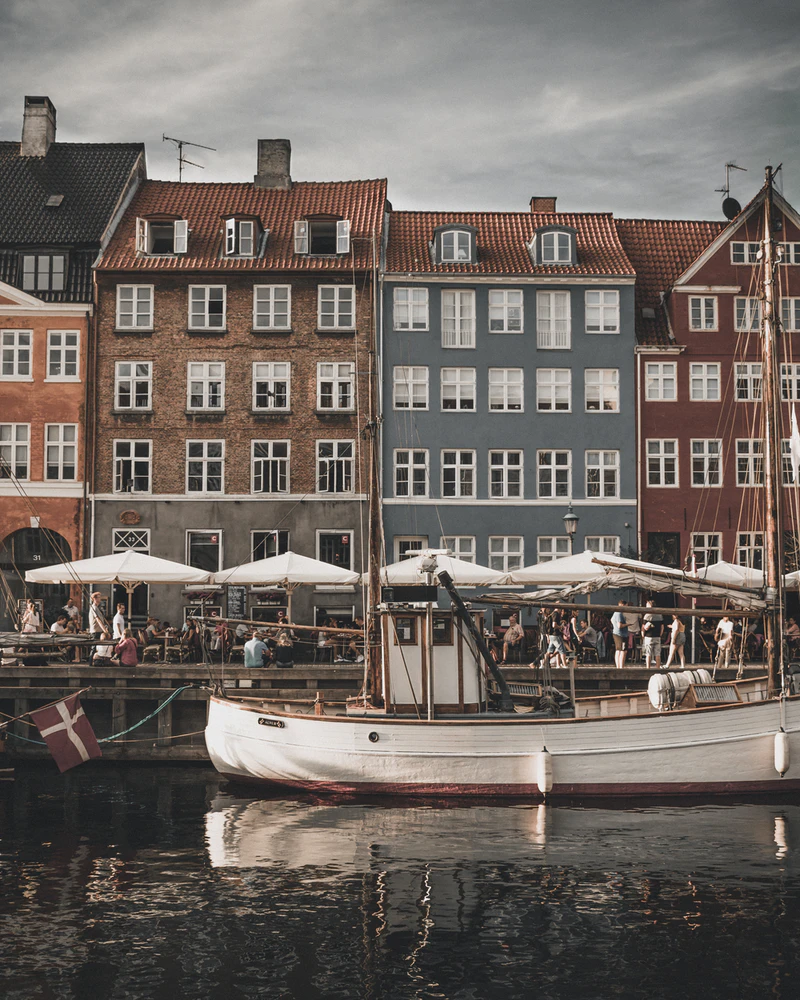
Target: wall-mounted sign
129,517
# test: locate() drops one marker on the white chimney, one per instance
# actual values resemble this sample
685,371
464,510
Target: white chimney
274,160
38,126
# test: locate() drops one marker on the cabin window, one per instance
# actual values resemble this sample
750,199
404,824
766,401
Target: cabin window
442,629
404,630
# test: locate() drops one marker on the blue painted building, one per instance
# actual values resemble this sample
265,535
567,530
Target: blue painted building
507,355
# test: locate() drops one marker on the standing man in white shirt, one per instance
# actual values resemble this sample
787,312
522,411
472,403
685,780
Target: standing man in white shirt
724,639
119,622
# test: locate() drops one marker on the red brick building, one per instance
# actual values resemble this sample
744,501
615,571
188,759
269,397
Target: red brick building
235,328
699,412
59,203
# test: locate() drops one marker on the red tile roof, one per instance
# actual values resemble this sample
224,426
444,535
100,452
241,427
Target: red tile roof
206,206
660,251
503,239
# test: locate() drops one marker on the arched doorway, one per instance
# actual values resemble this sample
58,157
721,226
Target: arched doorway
31,548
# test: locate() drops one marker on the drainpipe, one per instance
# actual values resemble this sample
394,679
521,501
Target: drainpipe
639,488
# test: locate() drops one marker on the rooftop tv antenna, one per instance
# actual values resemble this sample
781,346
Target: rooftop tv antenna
730,206
182,161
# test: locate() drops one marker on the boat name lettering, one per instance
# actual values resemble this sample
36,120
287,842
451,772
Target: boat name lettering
277,723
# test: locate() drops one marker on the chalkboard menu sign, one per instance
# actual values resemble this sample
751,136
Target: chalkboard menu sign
237,602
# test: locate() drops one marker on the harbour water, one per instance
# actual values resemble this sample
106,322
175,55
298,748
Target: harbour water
150,882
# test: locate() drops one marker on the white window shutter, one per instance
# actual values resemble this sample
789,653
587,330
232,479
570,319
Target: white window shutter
246,239
181,235
301,236
141,235
230,236
343,236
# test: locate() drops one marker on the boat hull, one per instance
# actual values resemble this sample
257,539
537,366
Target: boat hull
716,751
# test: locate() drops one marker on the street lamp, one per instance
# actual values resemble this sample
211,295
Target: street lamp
571,526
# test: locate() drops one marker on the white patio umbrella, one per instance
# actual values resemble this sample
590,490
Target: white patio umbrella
463,574
129,569
729,574
289,570
578,568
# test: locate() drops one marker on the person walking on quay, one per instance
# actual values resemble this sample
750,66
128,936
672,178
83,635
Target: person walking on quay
31,622
619,624
677,643
723,636
119,622
652,627
127,649
555,642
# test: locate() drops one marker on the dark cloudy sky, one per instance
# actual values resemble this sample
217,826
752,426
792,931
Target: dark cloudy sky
631,106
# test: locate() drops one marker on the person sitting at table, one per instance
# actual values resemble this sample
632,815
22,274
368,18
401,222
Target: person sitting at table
587,636
284,651
59,626
190,640
104,652
127,649
31,622
352,652
152,630
256,651
72,611
514,637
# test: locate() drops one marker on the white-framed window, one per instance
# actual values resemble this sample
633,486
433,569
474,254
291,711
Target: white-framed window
790,382
601,388
744,253
749,462
125,539
15,355
556,248
747,313
603,545
336,307
240,237
272,307
44,272
602,310
554,474
456,246
411,472
462,546
335,548
505,474
272,385
407,546
61,452
410,387
505,310
134,307
662,461
506,388
703,312
410,309
706,548
748,381
322,236
791,253
204,550
706,462
162,236
602,474
554,390
205,385
207,307
15,451
661,380
266,544
551,547
458,318
63,356
787,473
270,466
704,381
458,472
133,385
790,314
553,323
506,552
132,466
750,549
335,466
205,466
335,385
457,388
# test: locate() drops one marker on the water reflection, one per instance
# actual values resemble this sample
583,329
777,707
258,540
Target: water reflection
161,882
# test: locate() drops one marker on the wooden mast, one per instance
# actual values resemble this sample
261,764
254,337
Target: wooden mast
773,479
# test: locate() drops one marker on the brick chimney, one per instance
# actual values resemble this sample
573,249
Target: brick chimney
541,204
38,126
274,161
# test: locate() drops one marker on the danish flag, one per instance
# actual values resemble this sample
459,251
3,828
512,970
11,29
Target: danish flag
67,732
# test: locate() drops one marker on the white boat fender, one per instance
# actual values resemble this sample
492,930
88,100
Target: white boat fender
544,771
781,752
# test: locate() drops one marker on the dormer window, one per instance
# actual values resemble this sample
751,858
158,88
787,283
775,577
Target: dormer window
323,236
240,238
455,245
161,237
554,246
43,272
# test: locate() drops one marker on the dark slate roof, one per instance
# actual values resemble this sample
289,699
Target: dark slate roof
660,251
79,276
91,176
